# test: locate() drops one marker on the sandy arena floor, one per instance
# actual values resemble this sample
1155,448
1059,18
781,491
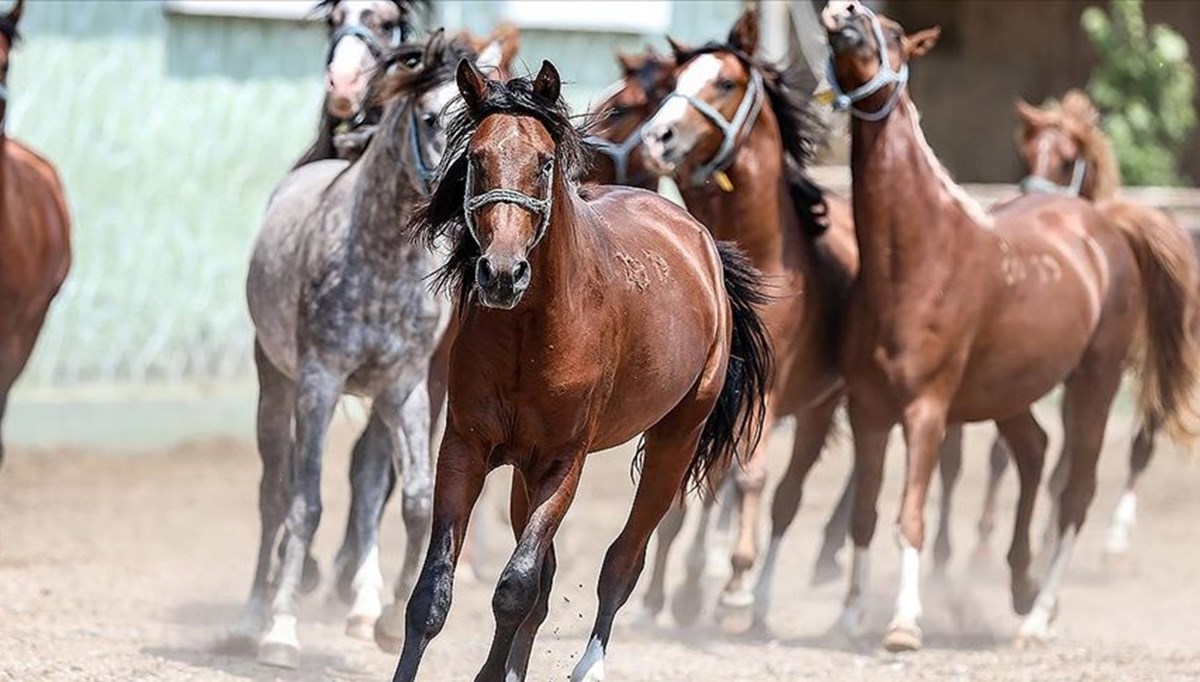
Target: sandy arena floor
130,566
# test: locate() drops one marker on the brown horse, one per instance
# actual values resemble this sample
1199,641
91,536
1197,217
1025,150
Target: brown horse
35,241
646,79
947,320
587,316
736,134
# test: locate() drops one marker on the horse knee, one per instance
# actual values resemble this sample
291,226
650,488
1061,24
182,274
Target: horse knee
862,527
430,602
417,507
751,480
516,595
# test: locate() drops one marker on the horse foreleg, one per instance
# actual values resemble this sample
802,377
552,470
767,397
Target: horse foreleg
812,428
870,442
461,469
1125,515
1028,443
924,431
521,599
668,454
317,392
274,432
405,411
949,467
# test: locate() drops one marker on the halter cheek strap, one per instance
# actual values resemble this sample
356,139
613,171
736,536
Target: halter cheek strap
619,152
1036,184
884,77
502,195
364,34
731,130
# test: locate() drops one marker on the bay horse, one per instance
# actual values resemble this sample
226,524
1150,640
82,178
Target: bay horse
587,315
1065,151
361,32
736,134
35,234
619,116
947,321
337,293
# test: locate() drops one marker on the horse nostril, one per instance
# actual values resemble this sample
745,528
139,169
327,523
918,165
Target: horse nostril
521,274
667,135
483,272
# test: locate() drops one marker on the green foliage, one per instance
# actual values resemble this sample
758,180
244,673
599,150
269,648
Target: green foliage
1145,86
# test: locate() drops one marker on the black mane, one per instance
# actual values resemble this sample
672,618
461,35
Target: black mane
800,128
441,215
417,68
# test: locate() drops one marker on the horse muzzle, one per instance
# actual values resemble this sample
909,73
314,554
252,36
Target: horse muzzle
501,283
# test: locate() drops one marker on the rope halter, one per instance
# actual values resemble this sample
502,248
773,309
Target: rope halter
884,77
502,195
1036,184
731,130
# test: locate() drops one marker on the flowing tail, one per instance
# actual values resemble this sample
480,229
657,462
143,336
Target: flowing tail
737,417
1169,361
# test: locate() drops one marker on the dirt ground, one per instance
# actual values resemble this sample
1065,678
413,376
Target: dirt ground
131,565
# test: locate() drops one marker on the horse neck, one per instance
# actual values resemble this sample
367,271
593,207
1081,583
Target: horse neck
907,210
758,213
562,263
384,195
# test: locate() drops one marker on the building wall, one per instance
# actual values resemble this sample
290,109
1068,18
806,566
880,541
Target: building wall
993,51
169,132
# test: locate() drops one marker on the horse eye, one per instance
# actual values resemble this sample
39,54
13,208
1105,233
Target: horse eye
547,166
617,111
431,120
726,85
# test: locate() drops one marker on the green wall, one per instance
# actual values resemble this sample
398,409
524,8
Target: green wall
169,132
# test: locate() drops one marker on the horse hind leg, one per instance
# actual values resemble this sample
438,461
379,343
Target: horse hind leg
833,537
274,435
670,447
406,414
812,429
656,592
1028,443
949,468
359,579
997,465
1124,517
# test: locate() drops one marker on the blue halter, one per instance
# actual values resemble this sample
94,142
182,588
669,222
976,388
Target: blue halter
884,77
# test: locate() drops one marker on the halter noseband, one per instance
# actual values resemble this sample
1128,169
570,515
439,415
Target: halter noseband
364,34
1036,184
619,152
502,195
884,77
731,130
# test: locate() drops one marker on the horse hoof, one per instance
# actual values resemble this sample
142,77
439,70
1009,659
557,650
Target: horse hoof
735,616
279,655
902,638
310,579
1024,597
687,605
826,571
389,630
360,627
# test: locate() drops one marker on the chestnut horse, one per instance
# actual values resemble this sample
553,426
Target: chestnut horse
620,115
587,316
735,134
947,321
35,239
360,33
339,301
1066,152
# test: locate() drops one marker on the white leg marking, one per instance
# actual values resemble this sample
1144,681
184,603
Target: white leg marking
854,612
368,588
1036,626
591,667
908,599
1123,520
766,578
283,631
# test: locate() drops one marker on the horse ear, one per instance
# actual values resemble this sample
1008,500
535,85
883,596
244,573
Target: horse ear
677,47
14,14
547,85
919,43
744,34
628,62
1031,116
472,84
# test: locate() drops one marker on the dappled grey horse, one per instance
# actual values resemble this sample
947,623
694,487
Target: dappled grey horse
338,294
